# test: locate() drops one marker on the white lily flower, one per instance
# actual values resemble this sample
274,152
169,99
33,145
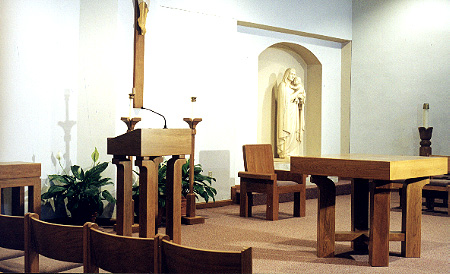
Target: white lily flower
59,156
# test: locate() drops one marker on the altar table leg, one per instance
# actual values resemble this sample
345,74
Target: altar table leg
380,206
124,204
325,216
173,199
148,194
412,216
360,211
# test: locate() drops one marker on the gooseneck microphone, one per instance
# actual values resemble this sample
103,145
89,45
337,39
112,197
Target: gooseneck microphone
165,123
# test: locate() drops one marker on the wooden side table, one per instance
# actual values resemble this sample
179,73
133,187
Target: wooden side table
17,175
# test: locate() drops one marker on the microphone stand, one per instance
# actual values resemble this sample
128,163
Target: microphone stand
165,123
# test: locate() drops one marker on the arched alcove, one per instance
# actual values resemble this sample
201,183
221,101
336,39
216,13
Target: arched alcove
272,62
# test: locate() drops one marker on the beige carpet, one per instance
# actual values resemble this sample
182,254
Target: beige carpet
289,244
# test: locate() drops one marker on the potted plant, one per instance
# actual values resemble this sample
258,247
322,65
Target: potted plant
81,190
202,184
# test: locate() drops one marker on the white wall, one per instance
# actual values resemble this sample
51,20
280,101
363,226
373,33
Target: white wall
100,72
401,59
84,48
38,68
329,18
39,78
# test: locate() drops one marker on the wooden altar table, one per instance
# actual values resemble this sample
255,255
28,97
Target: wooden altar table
17,175
148,145
372,176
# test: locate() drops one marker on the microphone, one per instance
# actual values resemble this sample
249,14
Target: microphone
165,123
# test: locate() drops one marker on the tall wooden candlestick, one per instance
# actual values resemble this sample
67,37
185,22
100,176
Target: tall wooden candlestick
425,143
190,218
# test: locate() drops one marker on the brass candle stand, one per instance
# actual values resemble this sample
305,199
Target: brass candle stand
130,122
190,218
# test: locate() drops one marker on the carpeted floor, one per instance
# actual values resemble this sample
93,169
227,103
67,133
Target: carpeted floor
289,244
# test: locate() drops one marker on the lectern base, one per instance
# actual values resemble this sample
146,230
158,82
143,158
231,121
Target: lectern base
192,220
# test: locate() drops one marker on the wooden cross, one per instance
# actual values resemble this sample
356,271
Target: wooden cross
140,15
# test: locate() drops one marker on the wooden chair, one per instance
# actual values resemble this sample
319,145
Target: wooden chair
59,242
176,258
119,254
11,243
11,229
439,187
260,176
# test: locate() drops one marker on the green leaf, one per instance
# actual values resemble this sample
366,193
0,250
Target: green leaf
103,182
57,179
70,192
77,171
96,170
108,196
70,179
95,155
53,191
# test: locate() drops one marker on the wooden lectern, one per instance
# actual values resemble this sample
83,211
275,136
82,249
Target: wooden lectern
148,145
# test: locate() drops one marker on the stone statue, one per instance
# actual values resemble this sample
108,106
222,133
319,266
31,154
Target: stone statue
290,115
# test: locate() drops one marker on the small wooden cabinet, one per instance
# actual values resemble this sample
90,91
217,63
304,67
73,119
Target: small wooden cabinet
17,175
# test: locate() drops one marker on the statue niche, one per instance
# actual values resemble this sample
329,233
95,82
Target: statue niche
290,100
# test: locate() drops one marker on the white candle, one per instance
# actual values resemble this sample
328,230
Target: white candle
131,103
193,100
426,109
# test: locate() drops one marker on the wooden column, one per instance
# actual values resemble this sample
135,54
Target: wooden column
124,202
173,198
148,196
190,218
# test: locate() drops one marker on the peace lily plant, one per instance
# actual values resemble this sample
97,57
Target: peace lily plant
81,190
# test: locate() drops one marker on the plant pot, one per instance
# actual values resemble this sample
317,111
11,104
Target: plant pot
80,218
85,212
